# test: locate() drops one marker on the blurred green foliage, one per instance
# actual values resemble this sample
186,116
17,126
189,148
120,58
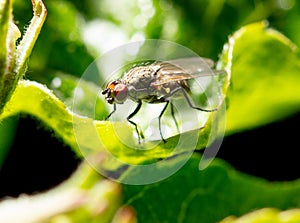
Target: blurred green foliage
60,46
201,25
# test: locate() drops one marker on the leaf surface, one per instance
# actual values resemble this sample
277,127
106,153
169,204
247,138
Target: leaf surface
209,195
265,77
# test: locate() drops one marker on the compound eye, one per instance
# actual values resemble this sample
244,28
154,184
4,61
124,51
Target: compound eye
111,85
120,91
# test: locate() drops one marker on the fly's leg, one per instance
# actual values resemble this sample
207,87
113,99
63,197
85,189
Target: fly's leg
193,106
140,134
173,116
180,88
113,111
164,99
159,120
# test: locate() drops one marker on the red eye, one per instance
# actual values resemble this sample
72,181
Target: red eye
120,91
111,85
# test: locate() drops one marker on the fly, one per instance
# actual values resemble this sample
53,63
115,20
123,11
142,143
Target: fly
159,82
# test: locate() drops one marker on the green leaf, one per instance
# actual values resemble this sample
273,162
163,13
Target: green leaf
267,215
5,15
64,87
265,77
35,99
208,196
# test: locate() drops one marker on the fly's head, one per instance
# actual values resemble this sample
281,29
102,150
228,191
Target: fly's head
115,92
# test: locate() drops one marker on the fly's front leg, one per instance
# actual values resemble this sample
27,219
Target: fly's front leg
113,111
140,134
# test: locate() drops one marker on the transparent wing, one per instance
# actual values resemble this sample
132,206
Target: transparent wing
183,69
193,64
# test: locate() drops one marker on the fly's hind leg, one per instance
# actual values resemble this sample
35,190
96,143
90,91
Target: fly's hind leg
173,116
193,106
185,94
139,133
159,120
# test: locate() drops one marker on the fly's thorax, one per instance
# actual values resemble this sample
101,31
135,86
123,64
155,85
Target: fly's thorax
139,77
137,94
138,81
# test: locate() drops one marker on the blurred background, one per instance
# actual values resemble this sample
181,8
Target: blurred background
76,32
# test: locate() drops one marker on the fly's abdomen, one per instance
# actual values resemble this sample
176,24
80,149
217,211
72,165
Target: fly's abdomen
172,89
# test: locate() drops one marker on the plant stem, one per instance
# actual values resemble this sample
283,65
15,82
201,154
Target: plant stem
25,47
5,13
20,55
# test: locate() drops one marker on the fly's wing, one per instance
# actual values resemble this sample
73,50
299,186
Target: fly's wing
193,64
183,69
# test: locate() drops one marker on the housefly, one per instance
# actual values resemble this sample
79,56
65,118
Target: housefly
158,82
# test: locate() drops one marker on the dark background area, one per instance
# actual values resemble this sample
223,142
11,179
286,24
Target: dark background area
36,161
270,152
